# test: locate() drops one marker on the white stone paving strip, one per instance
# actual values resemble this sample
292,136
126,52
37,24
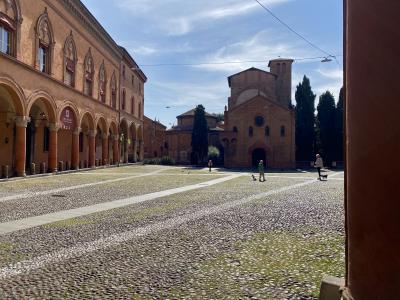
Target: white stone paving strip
74,187
114,240
26,223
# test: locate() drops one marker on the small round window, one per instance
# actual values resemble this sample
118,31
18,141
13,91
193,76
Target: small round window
259,121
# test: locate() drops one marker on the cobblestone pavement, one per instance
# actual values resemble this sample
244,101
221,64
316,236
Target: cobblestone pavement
240,239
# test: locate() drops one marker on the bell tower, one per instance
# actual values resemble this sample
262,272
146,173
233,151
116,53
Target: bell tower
283,69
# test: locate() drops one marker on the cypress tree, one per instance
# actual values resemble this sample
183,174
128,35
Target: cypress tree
305,120
326,124
199,136
339,127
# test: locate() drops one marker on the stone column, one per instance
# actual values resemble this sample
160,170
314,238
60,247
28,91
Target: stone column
141,150
53,147
92,148
105,153
116,149
373,148
135,147
75,148
20,145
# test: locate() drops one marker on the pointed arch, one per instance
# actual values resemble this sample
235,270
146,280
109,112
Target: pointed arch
88,74
102,83
113,86
44,43
10,23
70,60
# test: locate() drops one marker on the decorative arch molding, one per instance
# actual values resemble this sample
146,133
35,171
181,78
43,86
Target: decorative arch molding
17,94
70,60
50,104
102,83
88,74
11,18
91,119
113,88
101,122
113,127
44,41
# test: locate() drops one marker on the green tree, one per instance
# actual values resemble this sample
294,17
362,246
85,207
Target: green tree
199,136
326,125
339,155
305,120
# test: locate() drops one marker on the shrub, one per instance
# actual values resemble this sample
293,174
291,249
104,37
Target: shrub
166,160
213,153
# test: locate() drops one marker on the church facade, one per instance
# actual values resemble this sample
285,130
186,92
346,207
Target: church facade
260,118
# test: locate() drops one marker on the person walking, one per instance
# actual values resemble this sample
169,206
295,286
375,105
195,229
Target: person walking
210,164
319,164
261,170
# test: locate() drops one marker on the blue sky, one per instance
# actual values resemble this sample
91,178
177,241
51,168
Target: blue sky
193,31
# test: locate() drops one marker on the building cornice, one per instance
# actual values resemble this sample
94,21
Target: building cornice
85,17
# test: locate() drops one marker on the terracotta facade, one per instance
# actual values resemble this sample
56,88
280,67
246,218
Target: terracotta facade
259,118
179,138
154,138
61,86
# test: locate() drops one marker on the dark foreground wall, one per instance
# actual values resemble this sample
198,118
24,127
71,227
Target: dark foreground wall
373,148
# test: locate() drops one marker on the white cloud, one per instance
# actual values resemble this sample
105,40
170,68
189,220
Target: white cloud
177,19
331,73
263,46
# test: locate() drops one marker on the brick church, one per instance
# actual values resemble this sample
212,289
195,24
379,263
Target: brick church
259,121
259,118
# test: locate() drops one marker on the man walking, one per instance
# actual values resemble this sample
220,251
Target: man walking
210,164
261,170
319,164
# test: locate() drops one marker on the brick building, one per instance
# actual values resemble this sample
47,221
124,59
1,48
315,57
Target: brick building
68,92
154,138
179,138
259,119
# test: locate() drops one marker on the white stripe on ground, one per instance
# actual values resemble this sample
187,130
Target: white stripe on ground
114,240
74,187
26,223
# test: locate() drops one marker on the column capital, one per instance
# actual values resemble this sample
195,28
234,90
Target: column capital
104,136
53,127
22,121
77,130
116,137
92,133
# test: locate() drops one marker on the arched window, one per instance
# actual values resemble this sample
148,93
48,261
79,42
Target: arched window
283,131
113,87
44,43
283,67
10,21
140,110
267,131
123,99
88,74
70,59
251,131
133,105
102,83
235,129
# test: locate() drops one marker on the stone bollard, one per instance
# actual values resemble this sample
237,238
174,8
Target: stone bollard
60,166
96,163
5,171
33,169
43,168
